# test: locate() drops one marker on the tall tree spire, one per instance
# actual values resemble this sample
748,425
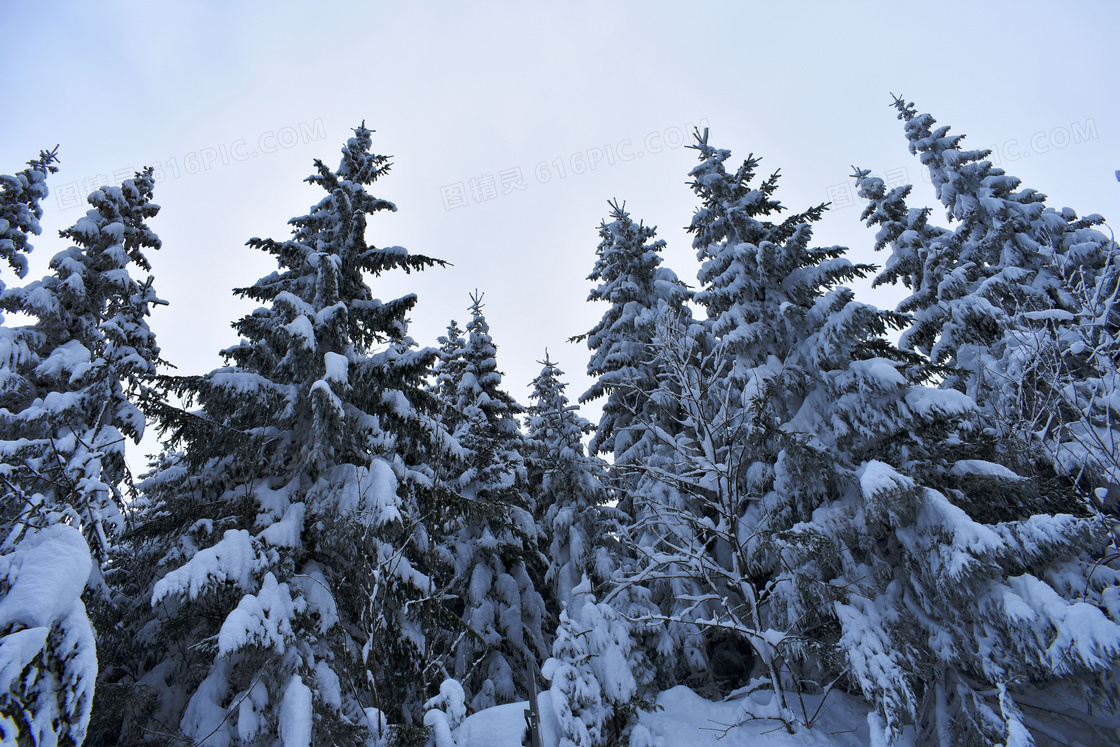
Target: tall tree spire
293,516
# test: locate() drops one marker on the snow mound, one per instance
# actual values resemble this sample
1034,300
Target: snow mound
687,720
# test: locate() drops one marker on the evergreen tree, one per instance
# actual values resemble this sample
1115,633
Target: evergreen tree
70,378
837,518
733,386
494,540
448,371
20,211
569,489
636,414
287,534
1002,301
637,287
742,252
910,236
48,659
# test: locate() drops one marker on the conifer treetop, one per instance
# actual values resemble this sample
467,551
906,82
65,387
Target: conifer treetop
331,240
20,210
638,288
753,271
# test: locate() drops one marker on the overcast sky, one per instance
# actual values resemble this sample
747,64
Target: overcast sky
512,124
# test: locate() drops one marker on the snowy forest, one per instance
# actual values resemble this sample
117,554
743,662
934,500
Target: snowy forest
792,500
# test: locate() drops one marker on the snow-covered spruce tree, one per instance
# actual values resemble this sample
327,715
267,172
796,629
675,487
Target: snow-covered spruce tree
910,237
873,494
632,280
996,299
70,377
493,543
722,436
287,534
744,255
447,372
569,489
845,524
595,671
68,380
638,289
20,211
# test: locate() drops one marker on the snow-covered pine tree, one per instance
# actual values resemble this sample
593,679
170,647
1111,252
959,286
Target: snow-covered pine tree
911,239
493,543
625,369
972,629
596,670
627,372
20,211
631,279
287,535
975,631
996,299
733,386
743,252
845,523
447,372
71,376
569,489
69,380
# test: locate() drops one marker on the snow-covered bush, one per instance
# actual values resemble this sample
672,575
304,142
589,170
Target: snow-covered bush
445,712
592,670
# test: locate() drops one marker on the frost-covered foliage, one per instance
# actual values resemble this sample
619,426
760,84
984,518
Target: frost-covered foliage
68,381
569,489
491,541
1016,299
48,660
286,535
20,195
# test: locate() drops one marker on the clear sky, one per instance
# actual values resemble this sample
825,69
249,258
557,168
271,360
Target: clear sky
495,113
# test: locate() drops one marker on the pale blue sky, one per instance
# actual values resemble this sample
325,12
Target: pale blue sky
461,92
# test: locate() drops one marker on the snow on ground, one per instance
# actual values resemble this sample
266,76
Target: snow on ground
500,726
688,720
